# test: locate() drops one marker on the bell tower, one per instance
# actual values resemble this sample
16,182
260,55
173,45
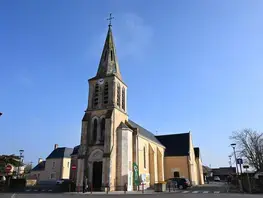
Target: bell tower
106,110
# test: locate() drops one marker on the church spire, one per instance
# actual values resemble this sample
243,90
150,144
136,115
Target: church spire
108,62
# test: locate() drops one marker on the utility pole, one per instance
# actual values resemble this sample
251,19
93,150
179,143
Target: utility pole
234,149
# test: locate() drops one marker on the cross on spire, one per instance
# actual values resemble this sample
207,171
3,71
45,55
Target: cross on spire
109,19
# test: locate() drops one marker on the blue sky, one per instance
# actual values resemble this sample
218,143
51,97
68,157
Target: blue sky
189,65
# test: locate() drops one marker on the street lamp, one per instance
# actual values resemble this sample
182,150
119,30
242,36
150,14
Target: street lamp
230,161
234,149
1,113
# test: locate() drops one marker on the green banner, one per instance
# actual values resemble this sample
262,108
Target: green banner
136,178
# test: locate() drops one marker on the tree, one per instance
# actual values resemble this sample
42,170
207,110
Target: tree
28,168
250,146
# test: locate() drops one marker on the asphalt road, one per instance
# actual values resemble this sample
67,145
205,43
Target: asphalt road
128,196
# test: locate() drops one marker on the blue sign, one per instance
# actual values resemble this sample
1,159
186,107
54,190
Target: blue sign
239,161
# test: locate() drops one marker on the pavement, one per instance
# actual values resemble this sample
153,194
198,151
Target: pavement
204,191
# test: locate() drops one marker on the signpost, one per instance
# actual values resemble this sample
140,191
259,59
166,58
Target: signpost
136,174
8,168
240,162
249,184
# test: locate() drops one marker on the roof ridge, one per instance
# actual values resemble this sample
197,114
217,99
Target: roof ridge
174,134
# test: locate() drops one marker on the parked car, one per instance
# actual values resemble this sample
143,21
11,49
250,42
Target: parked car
181,182
216,178
2,179
172,183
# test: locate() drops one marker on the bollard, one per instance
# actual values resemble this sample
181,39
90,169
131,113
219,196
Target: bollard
169,187
91,188
107,189
142,188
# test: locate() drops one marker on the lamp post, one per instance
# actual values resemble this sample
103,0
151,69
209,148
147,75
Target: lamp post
1,113
21,160
234,149
230,161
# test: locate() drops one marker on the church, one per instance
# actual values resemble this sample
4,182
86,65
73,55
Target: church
112,146
115,151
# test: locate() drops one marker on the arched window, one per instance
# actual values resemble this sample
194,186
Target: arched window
94,133
118,95
96,95
144,157
106,93
123,98
102,129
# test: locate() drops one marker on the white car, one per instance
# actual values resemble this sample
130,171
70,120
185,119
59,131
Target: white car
216,178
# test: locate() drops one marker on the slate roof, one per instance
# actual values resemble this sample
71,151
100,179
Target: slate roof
197,152
223,171
176,144
144,132
122,125
75,150
40,166
61,152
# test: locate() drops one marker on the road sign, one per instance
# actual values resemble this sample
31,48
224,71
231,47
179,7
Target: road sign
239,161
73,167
8,168
136,174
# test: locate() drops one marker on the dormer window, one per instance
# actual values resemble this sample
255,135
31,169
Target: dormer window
111,55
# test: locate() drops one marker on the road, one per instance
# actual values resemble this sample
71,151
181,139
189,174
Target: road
171,195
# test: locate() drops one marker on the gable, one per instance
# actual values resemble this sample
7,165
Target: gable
40,166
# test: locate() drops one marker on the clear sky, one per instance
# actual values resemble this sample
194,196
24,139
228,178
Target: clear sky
189,65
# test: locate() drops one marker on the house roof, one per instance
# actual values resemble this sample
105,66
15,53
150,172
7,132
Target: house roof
144,132
176,144
40,166
75,150
61,152
197,152
223,170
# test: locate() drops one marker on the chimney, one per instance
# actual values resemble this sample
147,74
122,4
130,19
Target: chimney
55,146
40,160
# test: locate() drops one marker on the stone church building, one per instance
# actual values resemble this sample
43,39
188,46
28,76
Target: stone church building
113,148
111,144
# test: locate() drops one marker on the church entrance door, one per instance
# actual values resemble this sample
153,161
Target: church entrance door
97,176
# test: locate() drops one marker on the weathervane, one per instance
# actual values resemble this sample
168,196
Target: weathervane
109,19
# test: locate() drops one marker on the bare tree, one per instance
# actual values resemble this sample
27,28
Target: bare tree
28,168
250,146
